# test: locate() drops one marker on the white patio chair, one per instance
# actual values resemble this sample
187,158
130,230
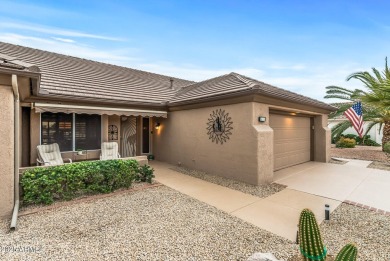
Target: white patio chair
49,155
109,150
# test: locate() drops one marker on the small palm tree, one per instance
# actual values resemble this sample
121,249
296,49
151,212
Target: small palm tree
376,101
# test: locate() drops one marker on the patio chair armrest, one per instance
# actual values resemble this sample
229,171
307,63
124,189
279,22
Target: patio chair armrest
39,162
70,160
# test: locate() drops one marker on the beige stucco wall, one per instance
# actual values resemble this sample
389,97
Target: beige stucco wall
35,121
7,151
246,156
322,138
265,146
104,128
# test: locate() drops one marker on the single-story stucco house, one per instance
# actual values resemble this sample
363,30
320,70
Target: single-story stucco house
231,125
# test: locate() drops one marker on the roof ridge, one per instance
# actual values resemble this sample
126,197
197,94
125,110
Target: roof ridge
278,88
103,63
247,81
187,88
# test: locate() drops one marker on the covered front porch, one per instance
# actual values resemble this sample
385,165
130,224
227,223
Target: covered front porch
79,130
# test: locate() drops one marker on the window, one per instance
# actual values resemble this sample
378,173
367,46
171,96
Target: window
60,127
57,128
88,131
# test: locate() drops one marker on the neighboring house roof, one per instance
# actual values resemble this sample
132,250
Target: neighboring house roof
65,76
236,83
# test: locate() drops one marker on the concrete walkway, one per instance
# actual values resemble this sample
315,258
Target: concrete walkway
278,213
350,182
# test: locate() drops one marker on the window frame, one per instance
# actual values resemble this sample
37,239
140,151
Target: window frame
73,131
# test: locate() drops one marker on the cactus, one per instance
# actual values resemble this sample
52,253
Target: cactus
310,241
347,253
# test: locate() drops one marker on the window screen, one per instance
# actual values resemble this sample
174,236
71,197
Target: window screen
57,128
88,131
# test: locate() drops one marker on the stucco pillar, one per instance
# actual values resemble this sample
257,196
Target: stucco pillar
6,151
264,138
322,138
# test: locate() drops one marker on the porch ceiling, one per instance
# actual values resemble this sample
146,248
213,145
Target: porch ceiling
65,108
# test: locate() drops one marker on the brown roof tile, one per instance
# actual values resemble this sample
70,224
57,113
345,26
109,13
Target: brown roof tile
66,76
236,83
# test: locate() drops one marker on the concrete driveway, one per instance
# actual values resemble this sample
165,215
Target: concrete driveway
350,182
310,185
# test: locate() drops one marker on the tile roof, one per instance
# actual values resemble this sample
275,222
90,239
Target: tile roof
65,76
70,77
235,83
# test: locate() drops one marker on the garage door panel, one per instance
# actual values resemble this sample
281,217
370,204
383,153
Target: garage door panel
291,140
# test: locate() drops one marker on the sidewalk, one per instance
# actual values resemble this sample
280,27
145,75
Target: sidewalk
278,213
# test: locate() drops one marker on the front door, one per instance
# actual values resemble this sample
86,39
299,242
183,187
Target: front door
128,137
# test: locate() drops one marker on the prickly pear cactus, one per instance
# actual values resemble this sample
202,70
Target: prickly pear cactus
347,253
310,241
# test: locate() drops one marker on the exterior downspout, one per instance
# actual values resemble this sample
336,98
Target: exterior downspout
15,89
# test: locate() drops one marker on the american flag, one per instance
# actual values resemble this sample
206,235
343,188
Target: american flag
355,115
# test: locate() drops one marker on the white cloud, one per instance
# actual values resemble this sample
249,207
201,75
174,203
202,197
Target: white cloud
54,31
69,48
63,39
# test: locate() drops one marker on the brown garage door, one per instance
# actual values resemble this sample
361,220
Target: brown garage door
291,140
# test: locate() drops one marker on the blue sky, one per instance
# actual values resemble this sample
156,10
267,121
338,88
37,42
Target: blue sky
301,46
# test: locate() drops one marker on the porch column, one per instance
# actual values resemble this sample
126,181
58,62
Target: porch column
7,148
322,138
265,146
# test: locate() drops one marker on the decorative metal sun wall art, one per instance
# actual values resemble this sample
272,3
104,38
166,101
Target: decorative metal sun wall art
219,126
112,132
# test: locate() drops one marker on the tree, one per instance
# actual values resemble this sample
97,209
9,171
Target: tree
375,100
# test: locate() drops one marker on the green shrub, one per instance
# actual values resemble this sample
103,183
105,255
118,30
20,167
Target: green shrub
44,185
145,174
386,147
365,140
345,143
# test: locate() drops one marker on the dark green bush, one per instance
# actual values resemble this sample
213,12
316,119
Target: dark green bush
345,143
386,147
44,185
145,174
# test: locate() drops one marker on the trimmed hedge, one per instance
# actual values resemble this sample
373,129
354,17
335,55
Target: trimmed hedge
44,185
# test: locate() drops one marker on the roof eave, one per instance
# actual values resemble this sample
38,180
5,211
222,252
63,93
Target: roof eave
249,91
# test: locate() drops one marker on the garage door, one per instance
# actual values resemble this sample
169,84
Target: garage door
291,140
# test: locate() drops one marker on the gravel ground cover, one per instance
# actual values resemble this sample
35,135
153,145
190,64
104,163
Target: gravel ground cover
370,231
261,191
152,224
360,152
379,165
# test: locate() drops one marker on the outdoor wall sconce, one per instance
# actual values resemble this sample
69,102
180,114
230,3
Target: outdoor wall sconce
262,119
157,126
